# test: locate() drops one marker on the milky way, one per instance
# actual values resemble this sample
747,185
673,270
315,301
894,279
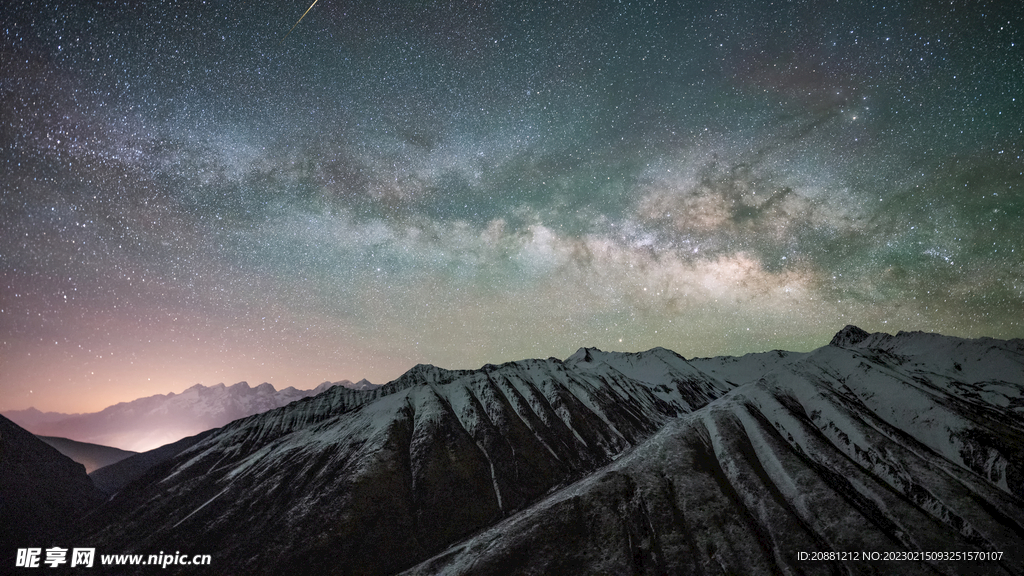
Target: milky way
189,196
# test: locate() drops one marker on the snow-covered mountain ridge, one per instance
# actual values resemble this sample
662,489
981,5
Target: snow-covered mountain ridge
631,462
913,442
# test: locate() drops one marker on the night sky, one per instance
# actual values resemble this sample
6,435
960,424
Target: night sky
188,196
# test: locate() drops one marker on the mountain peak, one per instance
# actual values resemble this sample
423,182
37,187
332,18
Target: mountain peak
364,384
850,335
583,355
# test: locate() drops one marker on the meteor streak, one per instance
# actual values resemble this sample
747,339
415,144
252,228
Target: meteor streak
300,20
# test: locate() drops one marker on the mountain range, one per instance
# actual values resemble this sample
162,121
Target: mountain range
876,453
153,421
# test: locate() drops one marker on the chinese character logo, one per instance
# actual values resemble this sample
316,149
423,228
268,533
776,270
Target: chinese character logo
83,557
28,557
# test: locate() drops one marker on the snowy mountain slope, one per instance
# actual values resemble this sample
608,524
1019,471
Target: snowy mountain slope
610,463
959,359
147,423
387,477
845,449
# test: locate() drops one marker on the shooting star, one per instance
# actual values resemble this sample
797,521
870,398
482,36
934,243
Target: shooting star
300,20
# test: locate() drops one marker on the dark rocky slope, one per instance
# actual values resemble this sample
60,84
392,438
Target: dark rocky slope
42,492
92,456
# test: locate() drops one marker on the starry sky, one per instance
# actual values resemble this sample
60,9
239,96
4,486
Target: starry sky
189,196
